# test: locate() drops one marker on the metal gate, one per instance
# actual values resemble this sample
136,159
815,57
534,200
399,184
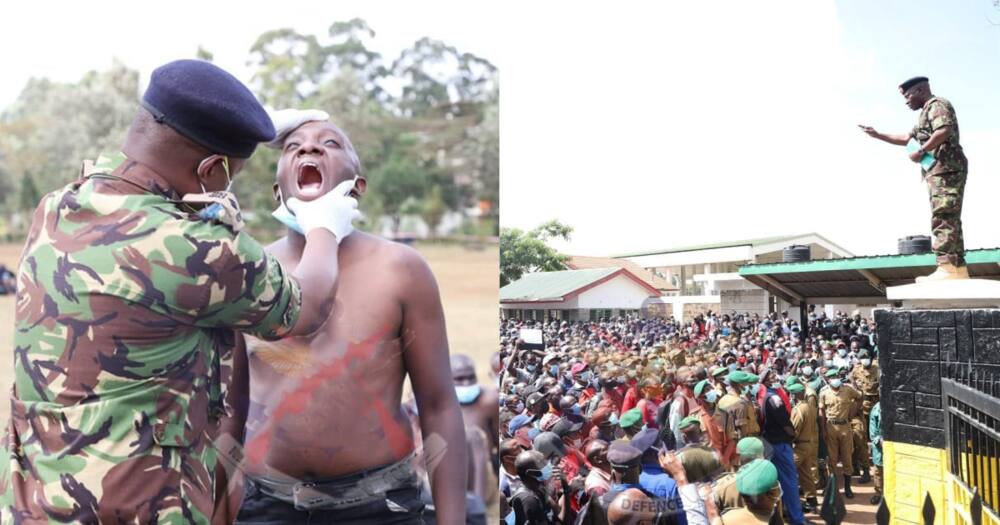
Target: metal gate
971,400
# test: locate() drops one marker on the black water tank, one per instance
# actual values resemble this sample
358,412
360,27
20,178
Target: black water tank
795,253
912,244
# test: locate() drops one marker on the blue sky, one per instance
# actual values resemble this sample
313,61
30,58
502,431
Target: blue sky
729,120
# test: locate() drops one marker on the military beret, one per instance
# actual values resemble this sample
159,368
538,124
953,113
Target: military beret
548,443
750,447
796,388
816,384
623,455
630,418
721,371
791,380
832,372
688,421
912,82
700,387
645,439
740,376
757,477
209,106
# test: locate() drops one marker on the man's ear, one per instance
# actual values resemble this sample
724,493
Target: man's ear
208,165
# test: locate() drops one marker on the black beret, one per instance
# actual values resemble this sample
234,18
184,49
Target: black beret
623,455
209,106
912,82
565,427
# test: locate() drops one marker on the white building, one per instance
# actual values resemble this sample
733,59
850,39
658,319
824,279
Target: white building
576,295
707,275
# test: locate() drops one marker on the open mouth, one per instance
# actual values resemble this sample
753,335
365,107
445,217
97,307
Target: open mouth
309,180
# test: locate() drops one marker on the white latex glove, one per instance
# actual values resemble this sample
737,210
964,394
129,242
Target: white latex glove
287,120
334,211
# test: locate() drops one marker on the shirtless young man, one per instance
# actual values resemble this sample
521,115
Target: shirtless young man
326,440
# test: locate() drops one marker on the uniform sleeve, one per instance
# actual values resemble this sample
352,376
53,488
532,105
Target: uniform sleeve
941,114
208,277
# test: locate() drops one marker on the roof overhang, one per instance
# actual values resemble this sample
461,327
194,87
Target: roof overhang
857,280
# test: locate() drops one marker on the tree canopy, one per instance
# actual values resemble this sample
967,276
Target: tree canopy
525,252
425,124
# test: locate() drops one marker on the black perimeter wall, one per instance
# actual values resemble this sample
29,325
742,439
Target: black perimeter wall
919,347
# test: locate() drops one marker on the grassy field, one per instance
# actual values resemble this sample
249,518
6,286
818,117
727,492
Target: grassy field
467,279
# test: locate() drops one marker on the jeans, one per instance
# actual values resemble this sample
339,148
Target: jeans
788,478
402,506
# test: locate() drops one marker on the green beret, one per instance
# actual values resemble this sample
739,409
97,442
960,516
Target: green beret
630,418
750,447
791,381
688,421
817,384
796,388
756,478
832,372
700,387
721,371
740,376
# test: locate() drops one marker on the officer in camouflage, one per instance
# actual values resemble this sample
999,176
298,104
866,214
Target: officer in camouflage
937,133
131,282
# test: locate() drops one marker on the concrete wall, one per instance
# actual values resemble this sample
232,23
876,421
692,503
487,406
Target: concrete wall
916,349
699,304
740,301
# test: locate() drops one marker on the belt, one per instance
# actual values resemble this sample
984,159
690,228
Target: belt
837,421
343,492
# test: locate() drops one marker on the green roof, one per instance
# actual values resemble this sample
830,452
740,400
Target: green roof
552,286
991,255
728,244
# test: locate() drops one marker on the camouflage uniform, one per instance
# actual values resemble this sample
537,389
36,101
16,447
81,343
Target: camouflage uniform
123,351
945,180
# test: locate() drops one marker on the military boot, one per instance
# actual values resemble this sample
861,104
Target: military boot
866,476
848,493
946,272
810,505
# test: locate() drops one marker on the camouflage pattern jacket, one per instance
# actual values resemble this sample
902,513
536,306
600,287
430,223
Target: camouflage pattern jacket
124,315
937,113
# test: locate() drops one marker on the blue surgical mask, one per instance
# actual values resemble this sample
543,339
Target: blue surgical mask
531,368
711,396
467,394
842,352
546,473
554,370
613,419
575,410
284,216
836,383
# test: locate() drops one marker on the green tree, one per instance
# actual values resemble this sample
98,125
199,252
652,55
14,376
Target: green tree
204,54
29,196
433,209
525,252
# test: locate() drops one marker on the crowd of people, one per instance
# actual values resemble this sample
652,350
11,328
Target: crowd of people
729,419
8,284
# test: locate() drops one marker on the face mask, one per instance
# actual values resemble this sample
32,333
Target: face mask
807,371
519,408
866,363
283,215
841,352
828,363
467,394
835,383
613,419
732,367
554,370
546,473
586,376
531,368
711,396
575,410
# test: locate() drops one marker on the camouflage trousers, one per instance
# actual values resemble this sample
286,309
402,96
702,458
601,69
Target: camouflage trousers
946,193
